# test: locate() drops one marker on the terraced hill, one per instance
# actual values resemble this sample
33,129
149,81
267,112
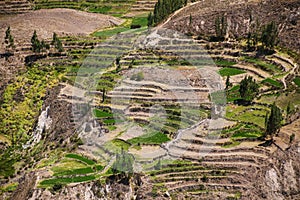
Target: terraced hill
14,7
113,7
143,6
146,115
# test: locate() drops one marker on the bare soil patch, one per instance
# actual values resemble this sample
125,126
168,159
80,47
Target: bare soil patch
62,21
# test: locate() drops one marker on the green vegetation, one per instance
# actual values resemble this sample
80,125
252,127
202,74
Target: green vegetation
102,114
243,131
137,77
150,138
9,39
20,109
247,114
230,71
108,80
220,28
262,64
163,8
110,32
124,163
121,144
227,83
231,144
272,82
247,134
248,88
80,158
37,45
224,63
140,20
6,162
218,97
273,122
113,7
109,121
86,170
233,93
150,20
297,81
269,35
8,187
53,181
71,169
137,21
57,43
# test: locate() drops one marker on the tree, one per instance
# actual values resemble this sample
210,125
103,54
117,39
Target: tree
35,43
9,39
57,43
253,34
228,84
289,108
124,163
220,28
150,19
103,95
118,60
7,33
44,45
131,64
274,120
248,88
164,8
158,165
269,35
54,38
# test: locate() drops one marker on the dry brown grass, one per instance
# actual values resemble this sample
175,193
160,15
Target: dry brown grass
61,21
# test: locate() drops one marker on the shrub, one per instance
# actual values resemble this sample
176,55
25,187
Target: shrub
134,26
137,77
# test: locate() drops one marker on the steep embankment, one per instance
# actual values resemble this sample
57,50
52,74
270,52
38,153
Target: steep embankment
241,17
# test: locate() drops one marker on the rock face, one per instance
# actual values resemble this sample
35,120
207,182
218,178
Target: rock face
116,187
279,179
241,16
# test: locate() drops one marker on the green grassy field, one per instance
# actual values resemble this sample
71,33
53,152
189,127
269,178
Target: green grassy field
254,114
85,170
262,64
126,26
227,71
233,94
150,138
102,114
53,181
72,168
224,63
80,158
269,81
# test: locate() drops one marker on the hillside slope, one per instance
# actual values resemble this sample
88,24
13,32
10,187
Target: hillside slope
241,16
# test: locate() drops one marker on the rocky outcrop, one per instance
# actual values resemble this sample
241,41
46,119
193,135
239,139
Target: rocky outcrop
241,16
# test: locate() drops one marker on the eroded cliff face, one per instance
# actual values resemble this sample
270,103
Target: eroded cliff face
115,187
279,179
241,17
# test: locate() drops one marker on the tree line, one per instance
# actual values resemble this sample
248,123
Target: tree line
37,45
163,8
